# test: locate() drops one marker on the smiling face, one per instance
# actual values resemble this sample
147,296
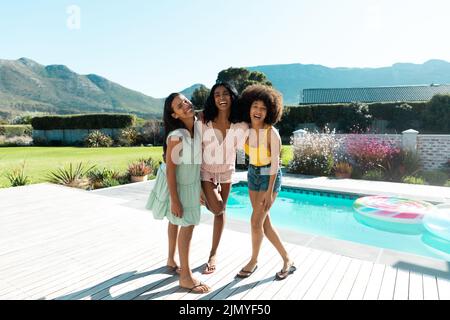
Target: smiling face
182,108
258,112
222,98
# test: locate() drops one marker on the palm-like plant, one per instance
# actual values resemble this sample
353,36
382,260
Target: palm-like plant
72,176
17,177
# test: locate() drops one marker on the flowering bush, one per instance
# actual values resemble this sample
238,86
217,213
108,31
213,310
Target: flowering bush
314,153
369,153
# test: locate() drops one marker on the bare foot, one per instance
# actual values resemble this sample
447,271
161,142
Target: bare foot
172,266
210,267
194,285
248,269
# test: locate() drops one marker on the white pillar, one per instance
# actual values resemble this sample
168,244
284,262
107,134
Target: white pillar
409,140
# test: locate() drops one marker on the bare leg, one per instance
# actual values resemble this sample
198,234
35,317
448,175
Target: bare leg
216,203
257,223
273,236
172,232
186,277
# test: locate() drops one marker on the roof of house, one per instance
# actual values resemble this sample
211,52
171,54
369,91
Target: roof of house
374,94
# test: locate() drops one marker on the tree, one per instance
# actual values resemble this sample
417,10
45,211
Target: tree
241,78
199,97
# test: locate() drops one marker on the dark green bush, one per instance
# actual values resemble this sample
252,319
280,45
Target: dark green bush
403,118
84,121
437,115
374,175
435,177
355,118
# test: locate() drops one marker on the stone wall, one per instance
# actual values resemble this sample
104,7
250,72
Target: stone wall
434,150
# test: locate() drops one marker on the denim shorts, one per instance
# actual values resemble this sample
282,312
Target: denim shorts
258,179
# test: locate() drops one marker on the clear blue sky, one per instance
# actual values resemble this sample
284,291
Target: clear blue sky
157,47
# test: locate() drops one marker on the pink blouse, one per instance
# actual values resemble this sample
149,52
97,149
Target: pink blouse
219,154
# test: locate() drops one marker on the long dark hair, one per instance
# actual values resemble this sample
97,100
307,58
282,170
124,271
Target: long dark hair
170,123
211,112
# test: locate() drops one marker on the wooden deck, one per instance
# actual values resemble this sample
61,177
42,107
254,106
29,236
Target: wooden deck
61,243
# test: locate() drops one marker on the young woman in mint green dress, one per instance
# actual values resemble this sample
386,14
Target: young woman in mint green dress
176,194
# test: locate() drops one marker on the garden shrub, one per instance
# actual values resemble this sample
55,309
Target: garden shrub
10,131
437,114
98,139
355,118
370,153
374,175
127,137
314,154
403,118
413,180
435,177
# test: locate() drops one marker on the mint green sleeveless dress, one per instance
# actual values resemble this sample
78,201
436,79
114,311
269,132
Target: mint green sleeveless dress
188,183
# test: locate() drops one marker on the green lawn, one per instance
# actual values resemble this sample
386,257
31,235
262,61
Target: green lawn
41,160
286,154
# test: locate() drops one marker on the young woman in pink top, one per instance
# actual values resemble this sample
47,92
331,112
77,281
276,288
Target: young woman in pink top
222,135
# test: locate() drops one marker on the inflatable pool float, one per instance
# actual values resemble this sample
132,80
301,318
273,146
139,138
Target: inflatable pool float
438,222
393,209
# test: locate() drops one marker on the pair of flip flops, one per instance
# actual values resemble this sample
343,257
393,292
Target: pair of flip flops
283,274
245,274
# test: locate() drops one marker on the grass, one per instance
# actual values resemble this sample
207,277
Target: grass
39,161
286,154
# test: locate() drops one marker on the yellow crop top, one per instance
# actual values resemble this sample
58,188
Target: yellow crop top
259,156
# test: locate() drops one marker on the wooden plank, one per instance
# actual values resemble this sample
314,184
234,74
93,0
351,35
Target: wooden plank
415,286
402,285
430,289
375,281
310,277
317,286
269,290
230,261
266,266
332,285
297,277
388,284
444,288
346,285
152,282
360,285
274,265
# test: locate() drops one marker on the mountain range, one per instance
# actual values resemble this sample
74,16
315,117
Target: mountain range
291,79
27,86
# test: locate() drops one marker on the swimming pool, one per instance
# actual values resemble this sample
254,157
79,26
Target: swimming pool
332,215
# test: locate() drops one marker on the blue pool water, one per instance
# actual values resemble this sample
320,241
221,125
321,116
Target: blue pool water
332,215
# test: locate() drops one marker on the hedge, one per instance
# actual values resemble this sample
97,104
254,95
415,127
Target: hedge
15,130
84,121
426,117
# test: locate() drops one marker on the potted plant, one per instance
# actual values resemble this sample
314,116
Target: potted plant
139,171
343,170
